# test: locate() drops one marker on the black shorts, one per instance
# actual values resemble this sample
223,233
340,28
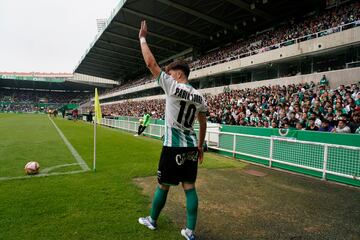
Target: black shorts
178,164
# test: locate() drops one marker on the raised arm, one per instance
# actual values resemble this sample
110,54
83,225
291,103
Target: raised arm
202,131
146,52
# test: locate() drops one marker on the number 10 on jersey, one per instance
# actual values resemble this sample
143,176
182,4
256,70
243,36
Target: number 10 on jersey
186,118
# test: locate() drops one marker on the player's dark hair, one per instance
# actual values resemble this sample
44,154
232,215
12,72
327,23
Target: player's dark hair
179,65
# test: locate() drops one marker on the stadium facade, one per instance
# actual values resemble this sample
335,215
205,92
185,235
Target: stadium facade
115,53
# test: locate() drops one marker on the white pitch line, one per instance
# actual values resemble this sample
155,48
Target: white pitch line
73,151
42,175
47,170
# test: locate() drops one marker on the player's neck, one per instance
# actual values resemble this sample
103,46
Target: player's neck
182,80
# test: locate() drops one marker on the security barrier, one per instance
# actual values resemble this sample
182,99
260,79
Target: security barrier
328,161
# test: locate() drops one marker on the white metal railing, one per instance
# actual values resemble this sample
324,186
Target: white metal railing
339,160
282,44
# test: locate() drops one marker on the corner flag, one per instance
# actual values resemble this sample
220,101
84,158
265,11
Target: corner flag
97,119
98,114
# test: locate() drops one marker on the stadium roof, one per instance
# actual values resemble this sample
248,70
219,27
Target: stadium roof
46,85
177,27
52,81
47,81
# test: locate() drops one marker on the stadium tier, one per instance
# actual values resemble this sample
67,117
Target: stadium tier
38,92
301,106
306,64
311,46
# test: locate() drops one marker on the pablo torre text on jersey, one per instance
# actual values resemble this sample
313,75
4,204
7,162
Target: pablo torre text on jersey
188,96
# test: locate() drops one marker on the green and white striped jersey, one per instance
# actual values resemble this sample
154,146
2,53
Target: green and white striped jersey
183,103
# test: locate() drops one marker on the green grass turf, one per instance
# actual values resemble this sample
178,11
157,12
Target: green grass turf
29,137
101,205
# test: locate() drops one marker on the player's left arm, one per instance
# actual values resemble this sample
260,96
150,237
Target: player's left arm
202,132
146,52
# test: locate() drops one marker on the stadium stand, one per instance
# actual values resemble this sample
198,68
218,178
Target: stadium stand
41,96
40,91
288,33
14,100
297,106
291,31
305,105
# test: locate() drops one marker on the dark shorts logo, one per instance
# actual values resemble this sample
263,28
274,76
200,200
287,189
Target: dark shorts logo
188,156
179,159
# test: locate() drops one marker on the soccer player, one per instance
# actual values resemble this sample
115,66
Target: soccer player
75,114
181,151
144,123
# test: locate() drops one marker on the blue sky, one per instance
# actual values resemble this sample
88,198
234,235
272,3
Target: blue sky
48,35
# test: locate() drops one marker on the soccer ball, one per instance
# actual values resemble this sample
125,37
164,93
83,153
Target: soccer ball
32,168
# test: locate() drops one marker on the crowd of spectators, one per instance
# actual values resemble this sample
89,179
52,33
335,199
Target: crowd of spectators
12,100
297,106
155,107
285,34
12,95
19,107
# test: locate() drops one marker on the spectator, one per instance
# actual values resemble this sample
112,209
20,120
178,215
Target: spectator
299,126
325,126
355,124
311,125
324,81
342,128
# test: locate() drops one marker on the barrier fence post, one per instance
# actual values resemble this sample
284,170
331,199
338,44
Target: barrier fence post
208,139
234,146
326,149
271,151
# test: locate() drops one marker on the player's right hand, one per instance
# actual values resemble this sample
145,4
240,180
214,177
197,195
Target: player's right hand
143,29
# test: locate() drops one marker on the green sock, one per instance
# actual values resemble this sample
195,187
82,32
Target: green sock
158,202
191,208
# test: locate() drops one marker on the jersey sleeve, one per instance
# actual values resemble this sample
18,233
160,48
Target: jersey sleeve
166,82
203,107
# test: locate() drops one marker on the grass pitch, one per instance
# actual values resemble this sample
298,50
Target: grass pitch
101,205
27,138
106,205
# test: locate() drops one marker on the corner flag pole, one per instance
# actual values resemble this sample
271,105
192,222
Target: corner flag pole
94,163
97,118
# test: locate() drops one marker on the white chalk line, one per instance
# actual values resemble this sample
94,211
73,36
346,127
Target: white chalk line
47,170
73,151
42,175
